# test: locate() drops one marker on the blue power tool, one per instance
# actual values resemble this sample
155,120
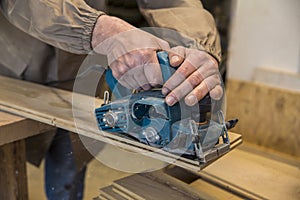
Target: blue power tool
179,129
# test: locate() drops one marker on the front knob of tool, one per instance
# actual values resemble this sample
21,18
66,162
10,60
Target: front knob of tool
151,134
110,119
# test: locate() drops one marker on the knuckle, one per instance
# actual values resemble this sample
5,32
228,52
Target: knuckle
175,95
155,81
130,60
146,55
122,69
146,52
209,84
195,78
217,79
211,61
199,93
174,81
212,64
215,70
184,70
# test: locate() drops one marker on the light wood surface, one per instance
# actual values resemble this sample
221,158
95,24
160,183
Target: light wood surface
199,188
108,193
268,116
256,172
75,112
14,128
138,187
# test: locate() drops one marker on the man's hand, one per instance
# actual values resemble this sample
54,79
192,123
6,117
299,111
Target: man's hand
197,75
131,52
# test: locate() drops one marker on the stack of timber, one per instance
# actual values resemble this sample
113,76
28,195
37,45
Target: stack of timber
160,185
138,187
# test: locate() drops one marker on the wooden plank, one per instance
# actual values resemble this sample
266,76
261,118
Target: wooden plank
162,176
256,174
6,118
176,176
141,188
269,116
14,128
13,178
56,107
110,194
101,197
121,193
213,191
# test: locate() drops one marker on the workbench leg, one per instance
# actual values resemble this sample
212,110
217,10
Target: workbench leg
13,177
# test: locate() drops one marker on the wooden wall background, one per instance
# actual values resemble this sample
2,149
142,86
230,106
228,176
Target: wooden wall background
268,116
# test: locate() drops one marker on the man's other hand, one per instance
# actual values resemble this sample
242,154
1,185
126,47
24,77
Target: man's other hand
197,74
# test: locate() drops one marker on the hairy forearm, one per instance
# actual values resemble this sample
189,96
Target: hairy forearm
108,26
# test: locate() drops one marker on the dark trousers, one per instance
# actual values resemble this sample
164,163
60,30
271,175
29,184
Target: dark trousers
63,181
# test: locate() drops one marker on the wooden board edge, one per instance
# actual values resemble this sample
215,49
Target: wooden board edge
114,140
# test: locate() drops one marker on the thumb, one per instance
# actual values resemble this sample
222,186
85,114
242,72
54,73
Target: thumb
176,56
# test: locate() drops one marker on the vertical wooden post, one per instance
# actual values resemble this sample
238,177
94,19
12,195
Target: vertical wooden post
13,177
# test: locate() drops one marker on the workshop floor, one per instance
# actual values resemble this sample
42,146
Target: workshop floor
98,176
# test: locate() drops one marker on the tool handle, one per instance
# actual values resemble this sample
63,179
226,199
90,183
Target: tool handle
166,69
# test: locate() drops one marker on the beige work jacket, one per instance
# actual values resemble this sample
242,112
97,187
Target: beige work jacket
39,38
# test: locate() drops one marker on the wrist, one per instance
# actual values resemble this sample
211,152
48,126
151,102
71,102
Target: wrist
106,27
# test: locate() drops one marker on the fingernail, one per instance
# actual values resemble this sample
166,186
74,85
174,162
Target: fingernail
191,100
170,100
165,91
175,59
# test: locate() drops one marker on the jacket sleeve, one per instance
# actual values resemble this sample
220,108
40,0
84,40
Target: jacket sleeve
187,17
65,24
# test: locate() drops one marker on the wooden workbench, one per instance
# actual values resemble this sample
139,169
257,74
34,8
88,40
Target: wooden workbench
13,131
74,112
